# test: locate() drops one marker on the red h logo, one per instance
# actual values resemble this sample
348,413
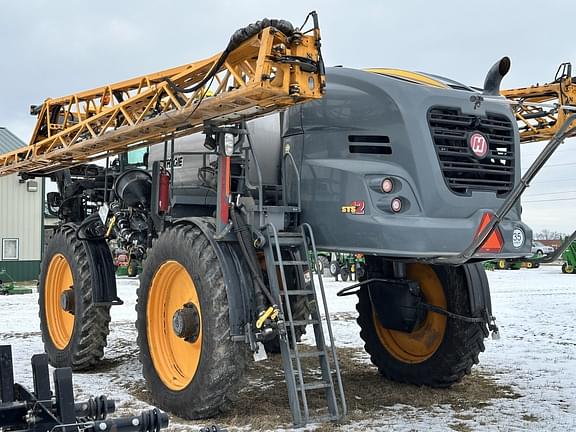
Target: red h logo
478,145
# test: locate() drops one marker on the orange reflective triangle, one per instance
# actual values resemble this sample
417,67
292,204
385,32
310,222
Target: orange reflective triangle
494,242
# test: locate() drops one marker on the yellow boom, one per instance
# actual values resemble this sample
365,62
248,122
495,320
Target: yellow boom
541,110
266,67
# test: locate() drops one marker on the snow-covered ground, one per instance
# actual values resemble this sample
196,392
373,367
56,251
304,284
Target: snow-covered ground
525,381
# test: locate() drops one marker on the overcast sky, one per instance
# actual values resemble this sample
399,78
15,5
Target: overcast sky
53,48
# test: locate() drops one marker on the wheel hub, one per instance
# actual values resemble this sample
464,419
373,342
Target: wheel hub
67,301
186,323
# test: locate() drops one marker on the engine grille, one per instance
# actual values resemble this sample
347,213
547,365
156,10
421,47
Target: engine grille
462,171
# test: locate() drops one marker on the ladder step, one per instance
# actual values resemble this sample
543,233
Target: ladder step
308,354
288,239
292,263
298,292
315,386
303,322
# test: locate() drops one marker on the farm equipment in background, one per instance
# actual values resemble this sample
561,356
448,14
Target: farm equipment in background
42,410
416,172
347,266
125,264
569,257
513,263
8,286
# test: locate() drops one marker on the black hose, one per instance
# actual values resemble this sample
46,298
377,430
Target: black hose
245,240
237,38
453,315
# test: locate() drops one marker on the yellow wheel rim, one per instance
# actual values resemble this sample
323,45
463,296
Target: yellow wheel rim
422,343
529,265
60,322
502,264
175,360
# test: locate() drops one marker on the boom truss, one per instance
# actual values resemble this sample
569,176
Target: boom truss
265,72
541,110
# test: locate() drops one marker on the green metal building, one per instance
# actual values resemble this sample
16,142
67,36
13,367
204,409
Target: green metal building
21,219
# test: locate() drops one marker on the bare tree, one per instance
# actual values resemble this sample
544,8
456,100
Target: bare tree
547,234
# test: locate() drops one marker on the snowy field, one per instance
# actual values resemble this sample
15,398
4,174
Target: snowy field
525,381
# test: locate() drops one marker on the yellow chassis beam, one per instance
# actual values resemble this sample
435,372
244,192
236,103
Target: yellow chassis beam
254,80
540,123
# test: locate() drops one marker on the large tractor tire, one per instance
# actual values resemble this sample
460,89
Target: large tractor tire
191,365
441,350
74,329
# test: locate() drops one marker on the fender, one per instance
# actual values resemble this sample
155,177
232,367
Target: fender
239,285
478,289
103,273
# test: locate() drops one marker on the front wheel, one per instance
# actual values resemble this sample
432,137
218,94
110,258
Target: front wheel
74,329
441,350
567,268
191,365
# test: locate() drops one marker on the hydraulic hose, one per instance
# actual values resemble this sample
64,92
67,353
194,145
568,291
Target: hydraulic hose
237,38
244,237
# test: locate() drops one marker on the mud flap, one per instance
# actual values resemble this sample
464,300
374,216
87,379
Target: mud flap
478,289
103,274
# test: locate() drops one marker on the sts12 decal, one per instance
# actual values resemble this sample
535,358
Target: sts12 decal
355,208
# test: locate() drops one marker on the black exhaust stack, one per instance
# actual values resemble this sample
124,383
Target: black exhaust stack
495,75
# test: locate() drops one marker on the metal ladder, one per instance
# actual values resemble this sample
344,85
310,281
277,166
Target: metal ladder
302,243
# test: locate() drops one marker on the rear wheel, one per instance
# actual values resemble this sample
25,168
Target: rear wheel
567,268
191,365
334,268
74,330
323,266
345,274
440,351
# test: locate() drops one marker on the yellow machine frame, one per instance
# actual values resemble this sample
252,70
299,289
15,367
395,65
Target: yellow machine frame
541,110
255,79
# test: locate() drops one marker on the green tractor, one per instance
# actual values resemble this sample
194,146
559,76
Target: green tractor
8,286
569,257
348,266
